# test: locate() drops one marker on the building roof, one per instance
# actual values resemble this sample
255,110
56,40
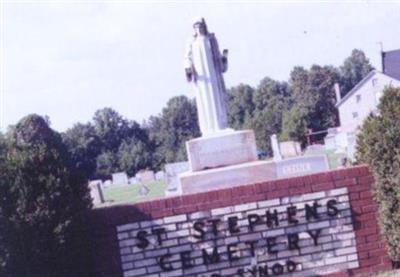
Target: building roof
391,63
356,87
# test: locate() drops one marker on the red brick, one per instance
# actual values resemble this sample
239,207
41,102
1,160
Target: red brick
345,183
369,262
367,231
298,191
367,216
338,174
370,208
366,194
377,253
324,177
368,246
376,237
323,186
354,196
338,274
363,170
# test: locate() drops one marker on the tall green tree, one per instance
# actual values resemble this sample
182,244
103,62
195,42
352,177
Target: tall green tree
378,145
84,146
107,164
313,90
111,128
115,133
294,125
240,106
43,206
134,155
177,123
353,70
271,100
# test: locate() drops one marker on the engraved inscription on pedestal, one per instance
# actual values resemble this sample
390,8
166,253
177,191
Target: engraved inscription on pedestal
301,166
229,148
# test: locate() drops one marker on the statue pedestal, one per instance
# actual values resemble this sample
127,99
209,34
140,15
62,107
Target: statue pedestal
225,159
221,149
226,177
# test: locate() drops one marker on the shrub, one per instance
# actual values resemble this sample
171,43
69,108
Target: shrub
378,145
43,205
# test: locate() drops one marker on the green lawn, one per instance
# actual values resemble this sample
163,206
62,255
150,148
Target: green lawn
394,273
130,193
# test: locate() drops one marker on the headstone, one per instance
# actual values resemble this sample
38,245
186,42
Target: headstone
145,176
143,190
301,166
160,175
290,149
96,192
134,181
120,178
330,139
107,183
275,148
172,170
315,148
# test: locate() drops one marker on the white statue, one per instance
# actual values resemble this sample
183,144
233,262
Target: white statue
275,148
204,66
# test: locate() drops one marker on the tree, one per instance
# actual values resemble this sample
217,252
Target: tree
84,146
378,145
241,106
43,206
111,128
153,128
294,125
353,70
107,164
133,155
271,99
109,132
177,123
313,90
4,202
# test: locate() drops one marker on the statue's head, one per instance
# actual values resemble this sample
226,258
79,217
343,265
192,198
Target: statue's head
200,26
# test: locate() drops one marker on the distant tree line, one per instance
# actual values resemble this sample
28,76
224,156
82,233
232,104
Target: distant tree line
111,143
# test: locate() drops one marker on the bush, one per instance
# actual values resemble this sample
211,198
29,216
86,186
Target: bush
378,145
42,206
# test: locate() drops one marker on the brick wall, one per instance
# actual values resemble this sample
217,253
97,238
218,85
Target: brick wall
348,240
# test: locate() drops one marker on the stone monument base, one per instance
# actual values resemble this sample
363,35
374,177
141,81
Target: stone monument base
249,173
224,148
302,165
227,177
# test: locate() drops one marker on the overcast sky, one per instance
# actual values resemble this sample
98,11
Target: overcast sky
66,60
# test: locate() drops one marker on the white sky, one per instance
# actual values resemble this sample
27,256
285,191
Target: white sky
66,60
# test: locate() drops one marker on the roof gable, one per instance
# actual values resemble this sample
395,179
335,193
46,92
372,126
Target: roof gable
357,87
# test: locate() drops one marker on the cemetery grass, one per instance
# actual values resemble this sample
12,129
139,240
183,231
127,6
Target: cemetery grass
395,273
130,193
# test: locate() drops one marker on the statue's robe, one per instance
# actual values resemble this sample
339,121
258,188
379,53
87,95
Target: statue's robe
205,60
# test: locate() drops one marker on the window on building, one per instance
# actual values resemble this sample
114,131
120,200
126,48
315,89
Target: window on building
355,114
358,98
374,81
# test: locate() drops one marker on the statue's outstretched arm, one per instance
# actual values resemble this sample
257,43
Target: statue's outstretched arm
188,63
224,60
